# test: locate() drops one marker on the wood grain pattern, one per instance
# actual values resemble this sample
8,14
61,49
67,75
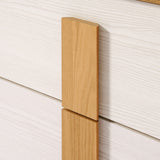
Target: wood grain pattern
80,66
79,137
30,124
129,59
152,1
117,142
28,130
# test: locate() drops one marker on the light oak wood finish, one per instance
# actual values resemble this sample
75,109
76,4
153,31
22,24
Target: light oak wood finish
152,1
79,137
80,66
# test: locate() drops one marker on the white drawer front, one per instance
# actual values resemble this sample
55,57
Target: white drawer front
30,53
120,143
30,128
30,124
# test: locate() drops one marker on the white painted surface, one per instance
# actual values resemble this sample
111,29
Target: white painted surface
120,143
30,53
30,129
30,124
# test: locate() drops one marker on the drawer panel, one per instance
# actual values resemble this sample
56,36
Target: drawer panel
30,124
129,47
31,129
117,142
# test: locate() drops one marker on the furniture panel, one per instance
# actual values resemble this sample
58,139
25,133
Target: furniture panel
31,129
117,142
129,59
30,124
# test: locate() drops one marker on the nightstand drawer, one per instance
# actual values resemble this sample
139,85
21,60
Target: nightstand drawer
129,53
30,128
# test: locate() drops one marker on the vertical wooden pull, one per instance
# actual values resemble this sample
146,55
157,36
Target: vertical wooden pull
80,66
79,137
79,90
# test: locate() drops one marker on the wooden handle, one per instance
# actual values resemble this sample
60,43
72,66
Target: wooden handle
79,90
80,66
79,137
